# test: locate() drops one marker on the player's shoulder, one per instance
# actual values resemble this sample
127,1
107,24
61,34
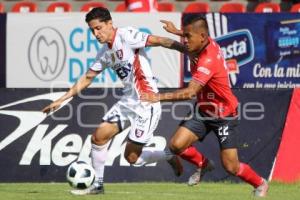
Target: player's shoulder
205,58
213,46
125,31
210,54
101,53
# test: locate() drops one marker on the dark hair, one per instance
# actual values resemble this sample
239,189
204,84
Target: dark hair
100,13
191,18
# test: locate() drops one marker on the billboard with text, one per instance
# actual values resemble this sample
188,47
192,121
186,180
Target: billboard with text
39,147
262,50
55,50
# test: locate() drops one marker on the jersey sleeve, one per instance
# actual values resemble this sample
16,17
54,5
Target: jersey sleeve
101,62
203,73
135,38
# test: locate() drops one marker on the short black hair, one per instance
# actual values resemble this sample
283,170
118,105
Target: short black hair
100,13
191,18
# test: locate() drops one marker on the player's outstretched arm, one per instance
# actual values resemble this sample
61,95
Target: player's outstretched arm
170,27
154,40
81,84
178,95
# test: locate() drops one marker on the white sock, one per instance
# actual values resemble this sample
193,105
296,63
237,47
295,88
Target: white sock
99,155
152,156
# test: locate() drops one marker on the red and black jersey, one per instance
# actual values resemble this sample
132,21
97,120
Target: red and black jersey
209,69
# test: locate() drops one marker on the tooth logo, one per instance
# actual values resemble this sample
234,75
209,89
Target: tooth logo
47,53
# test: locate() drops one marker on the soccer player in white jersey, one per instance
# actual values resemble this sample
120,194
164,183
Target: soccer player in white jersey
123,51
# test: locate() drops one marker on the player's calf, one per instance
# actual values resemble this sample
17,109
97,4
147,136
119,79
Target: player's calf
176,165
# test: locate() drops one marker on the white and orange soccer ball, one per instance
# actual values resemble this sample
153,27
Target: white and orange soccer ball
80,175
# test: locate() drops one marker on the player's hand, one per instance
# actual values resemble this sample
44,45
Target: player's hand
169,26
149,97
52,107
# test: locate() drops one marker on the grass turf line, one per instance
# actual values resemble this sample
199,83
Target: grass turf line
148,191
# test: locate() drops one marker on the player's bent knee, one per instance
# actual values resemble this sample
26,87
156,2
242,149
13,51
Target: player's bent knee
104,133
175,148
99,140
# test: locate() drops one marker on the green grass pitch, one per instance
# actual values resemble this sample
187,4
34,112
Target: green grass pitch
147,191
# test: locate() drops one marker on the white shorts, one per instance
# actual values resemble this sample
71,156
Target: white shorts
143,123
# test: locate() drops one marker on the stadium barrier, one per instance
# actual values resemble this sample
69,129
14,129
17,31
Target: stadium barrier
35,147
262,50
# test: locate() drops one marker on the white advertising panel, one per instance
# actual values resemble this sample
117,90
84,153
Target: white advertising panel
53,50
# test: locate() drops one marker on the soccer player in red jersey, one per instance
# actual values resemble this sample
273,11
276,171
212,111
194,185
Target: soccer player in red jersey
216,107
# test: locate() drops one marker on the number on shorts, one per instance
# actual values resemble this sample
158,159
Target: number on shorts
223,130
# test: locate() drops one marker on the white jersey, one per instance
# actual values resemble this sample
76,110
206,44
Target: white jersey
127,57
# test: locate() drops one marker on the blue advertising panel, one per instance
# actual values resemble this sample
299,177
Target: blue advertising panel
262,50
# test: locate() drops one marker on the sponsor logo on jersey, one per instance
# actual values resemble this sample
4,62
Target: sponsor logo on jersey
203,70
123,71
119,54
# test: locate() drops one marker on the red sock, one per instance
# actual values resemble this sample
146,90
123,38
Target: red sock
193,156
247,174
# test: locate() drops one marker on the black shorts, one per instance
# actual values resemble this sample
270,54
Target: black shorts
202,124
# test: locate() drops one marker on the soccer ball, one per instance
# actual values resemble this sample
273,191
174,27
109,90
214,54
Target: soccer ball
80,175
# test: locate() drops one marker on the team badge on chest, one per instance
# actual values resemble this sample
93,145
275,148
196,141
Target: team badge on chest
139,133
